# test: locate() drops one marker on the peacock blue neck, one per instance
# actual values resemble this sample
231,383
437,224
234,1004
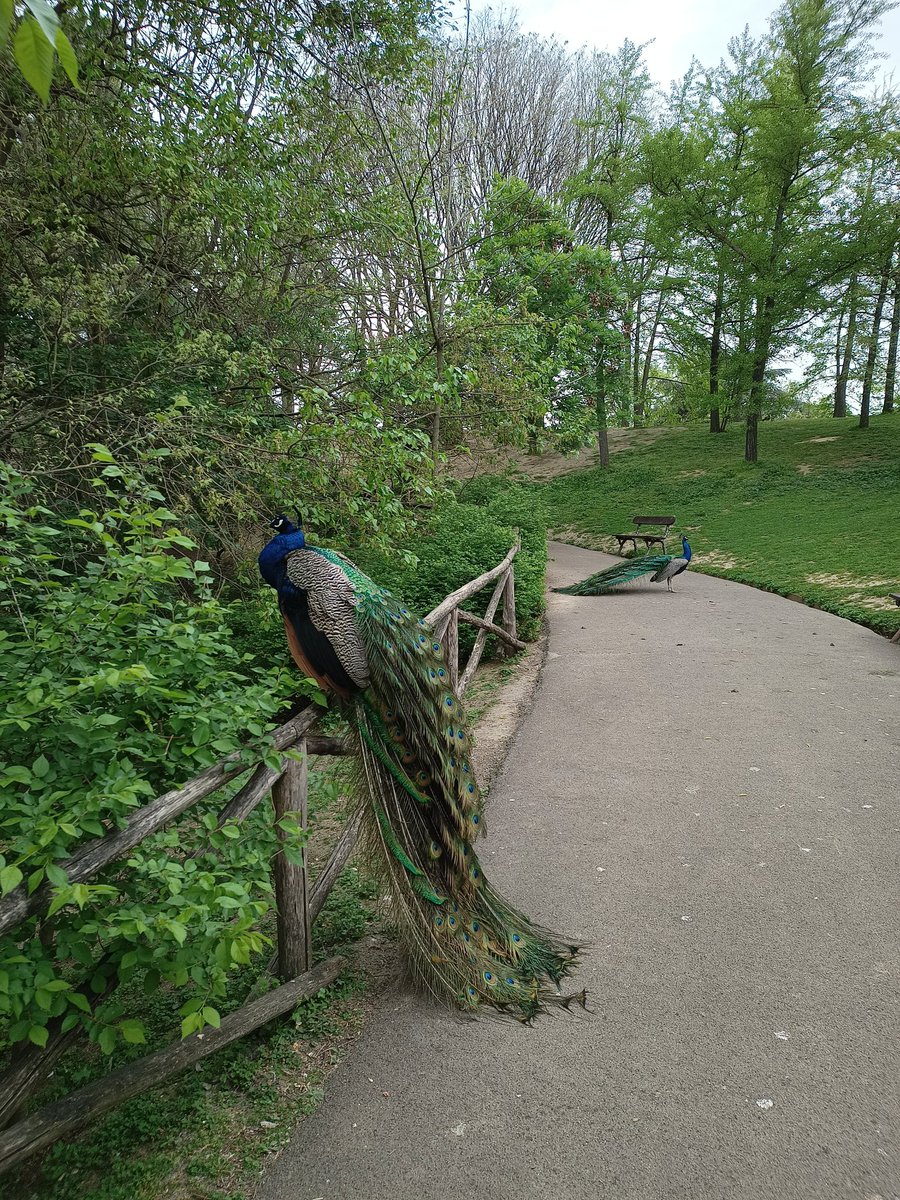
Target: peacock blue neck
686,547
273,554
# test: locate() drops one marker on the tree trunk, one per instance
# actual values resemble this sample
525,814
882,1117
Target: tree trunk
651,344
890,370
866,400
436,419
840,384
761,343
600,406
715,351
636,364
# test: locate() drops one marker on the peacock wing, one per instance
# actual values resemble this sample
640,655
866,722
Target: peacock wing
332,604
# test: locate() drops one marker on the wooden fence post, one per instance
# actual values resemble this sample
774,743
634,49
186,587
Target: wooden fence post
452,647
509,613
290,795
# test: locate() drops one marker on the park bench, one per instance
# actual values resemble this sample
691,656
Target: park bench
661,525
895,596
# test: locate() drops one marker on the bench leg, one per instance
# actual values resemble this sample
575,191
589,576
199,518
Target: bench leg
896,637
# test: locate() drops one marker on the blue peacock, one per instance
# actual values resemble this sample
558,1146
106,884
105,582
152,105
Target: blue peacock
659,566
421,805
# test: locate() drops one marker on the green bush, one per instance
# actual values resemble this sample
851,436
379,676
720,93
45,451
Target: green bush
465,537
118,680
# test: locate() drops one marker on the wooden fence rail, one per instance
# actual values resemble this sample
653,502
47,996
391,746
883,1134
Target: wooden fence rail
297,904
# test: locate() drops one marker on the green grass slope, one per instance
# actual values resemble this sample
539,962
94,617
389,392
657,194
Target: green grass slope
818,517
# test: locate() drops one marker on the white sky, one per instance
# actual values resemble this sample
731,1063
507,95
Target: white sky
680,29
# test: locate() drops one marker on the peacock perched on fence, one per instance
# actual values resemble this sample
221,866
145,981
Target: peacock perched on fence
422,809
662,566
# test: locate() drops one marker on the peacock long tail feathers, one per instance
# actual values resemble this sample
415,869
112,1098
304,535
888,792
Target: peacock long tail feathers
616,575
421,813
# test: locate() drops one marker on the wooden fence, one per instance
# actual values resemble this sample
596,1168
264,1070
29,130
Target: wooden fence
297,903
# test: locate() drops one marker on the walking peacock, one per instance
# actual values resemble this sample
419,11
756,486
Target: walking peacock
421,806
663,566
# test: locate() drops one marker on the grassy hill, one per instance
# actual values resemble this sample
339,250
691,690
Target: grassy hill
818,517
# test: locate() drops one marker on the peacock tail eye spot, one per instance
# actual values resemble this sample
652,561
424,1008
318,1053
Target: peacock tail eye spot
466,768
488,977
449,701
452,922
450,731
434,850
439,921
476,820
422,638
516,938
510,981
476,874
436,647
475,926
466,937
441,672
470,788
433,673
460,735
455,907
471,991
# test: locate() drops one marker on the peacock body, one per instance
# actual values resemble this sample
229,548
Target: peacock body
421,805
659,566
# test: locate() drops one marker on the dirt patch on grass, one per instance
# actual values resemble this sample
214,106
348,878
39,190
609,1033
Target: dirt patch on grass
804,468
837,580
718,559
832,438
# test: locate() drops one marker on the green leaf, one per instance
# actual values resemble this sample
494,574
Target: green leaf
211,1017
107,1039
17,775
80,1001
34,54
38,1034
56,875
40,767
190,1024
6,19
133,1032
46,18
10,878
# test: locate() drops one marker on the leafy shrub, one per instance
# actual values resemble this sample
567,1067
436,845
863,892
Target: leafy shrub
118,680
465,537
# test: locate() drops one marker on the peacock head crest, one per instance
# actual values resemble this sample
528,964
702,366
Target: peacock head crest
283,526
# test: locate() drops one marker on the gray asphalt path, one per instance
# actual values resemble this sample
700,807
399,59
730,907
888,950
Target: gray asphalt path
707,788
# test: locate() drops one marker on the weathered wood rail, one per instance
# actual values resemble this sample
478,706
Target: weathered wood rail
297,902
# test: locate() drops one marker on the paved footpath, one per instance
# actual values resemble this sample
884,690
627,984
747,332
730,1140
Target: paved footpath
708,788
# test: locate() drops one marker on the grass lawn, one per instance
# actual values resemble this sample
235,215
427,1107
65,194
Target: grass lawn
817,517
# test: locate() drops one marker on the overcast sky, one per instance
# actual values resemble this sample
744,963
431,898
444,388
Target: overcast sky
679,29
